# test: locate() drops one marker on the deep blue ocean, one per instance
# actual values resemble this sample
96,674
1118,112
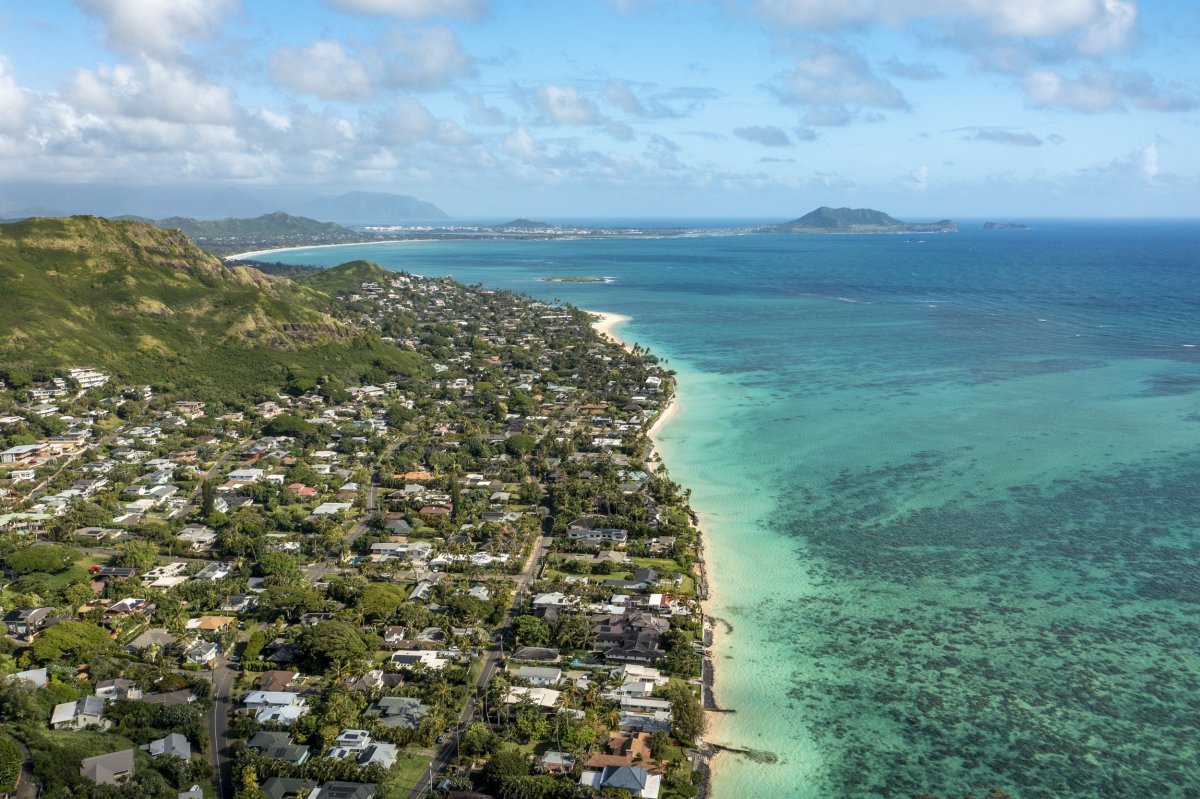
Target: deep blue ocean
950,486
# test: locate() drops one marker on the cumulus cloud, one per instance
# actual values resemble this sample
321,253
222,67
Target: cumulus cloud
480,113
1094,26
408,122
159,28
915,181
1141,164
416,9
836,85
152,90
766,135
322,68
1004,136
14,101
426,59
1105,89
564,105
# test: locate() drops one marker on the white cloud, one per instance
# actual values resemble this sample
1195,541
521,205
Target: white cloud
564,105
408,122
322,68
1094,26
152,90
158,28
916,180
619,94
766,135
14,101
836,84
427,59
480,113
923,71
1004,136
416,9
1104,90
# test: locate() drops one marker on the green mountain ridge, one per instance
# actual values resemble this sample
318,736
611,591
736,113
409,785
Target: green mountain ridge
858,220
148,306
274,224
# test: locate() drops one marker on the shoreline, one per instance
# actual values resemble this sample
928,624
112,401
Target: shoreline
255,254
707,751
607,324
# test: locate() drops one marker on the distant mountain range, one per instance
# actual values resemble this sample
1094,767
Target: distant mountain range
23,201
857,220
368,208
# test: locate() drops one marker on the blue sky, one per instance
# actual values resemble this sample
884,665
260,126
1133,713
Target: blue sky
718,108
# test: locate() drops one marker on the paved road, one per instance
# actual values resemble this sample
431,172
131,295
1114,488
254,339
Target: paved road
218,730
491,662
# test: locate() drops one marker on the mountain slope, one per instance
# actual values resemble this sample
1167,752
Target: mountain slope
147,305
369,208
857,220
347,277
276,224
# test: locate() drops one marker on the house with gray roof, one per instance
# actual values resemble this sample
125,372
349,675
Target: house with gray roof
405,712
114,768
84,712
173,744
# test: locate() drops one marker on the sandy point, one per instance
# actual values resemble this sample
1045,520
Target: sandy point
242,256
607,324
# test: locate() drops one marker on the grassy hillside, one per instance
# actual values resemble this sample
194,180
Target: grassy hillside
347,277
150,307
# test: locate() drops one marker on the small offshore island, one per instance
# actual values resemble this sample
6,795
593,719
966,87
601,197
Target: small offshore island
576,279
346,533
857,220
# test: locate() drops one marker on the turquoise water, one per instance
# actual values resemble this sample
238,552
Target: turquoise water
949,490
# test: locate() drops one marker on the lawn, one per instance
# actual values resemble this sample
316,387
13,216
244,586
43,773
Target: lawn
409,770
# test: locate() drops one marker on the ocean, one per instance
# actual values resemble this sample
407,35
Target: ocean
950,486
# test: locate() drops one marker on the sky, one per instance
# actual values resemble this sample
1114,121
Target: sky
612,108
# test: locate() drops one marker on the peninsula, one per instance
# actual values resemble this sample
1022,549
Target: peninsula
857,220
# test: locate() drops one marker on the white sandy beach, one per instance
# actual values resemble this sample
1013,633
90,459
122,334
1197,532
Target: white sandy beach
606,325
259,253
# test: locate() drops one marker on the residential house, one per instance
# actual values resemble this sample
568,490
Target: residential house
281,707
544,698
203,653
27,622
636,780
404,712
173,744
279,746
84,712
117,689
539,675
115,768
275,680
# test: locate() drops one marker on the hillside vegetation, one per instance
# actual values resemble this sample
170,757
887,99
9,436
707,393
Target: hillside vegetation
148,306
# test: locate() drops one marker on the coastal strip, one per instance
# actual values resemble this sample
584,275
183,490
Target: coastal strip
707,752
607,324
254,254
